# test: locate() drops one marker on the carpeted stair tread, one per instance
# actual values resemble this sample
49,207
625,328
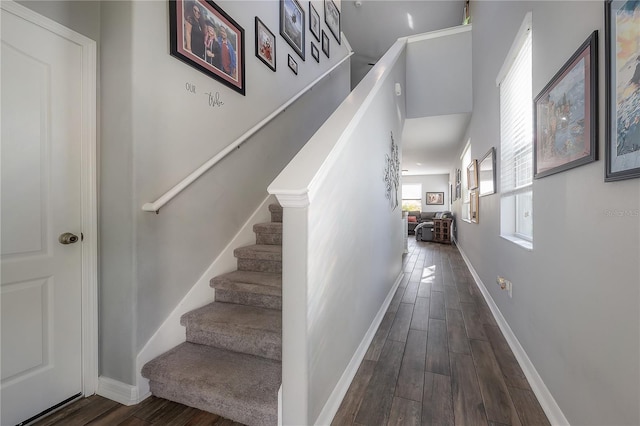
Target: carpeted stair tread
259,252
276,212
240,328
268,227
240,387
267,279
230,315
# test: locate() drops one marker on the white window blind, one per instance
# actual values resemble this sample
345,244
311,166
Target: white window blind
516,123
411,191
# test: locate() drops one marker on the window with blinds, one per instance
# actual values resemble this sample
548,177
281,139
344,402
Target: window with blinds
412,196
516,139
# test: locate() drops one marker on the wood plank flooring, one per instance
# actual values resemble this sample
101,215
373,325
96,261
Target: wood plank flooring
438,358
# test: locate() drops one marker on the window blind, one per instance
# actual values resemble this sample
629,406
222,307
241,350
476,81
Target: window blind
516,123
411,191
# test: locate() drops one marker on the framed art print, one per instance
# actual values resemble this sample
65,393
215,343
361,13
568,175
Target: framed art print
325,43
332,18
292,27
293,65
314,22
487,173
435,198
204,37
265,44
315,52
622,51
472,174
565,114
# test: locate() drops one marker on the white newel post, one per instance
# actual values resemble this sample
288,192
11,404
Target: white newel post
295,364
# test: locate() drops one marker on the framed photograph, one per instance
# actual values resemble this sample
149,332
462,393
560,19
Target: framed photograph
315,52
452,195
314,21
203,36
435,198
472,175
265,44
622,50
487,173
332,18
474,207
325,43
293,65
292,25
566,114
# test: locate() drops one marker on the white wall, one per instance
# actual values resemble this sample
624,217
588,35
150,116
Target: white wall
439,74
432,183
337,271
575,306
155,132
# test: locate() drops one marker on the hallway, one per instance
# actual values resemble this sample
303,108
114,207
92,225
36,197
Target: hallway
438,357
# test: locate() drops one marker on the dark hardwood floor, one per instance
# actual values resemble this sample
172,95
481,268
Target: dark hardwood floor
438,358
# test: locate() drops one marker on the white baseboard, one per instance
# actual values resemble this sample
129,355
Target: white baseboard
120,392
548,403
171,333
340,390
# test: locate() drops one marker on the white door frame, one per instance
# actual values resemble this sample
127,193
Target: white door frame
88,188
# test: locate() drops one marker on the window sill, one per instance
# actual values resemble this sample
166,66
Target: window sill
527,245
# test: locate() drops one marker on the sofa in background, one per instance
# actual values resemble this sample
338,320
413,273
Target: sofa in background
415,218
424,230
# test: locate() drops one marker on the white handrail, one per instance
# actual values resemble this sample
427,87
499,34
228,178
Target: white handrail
168,196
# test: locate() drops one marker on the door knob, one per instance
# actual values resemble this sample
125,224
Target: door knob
68,238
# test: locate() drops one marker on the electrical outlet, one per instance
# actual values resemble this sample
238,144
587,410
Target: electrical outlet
505,284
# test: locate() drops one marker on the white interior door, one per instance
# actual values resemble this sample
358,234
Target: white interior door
41,292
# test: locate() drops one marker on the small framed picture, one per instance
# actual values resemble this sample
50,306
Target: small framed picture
265,45
487,173
332,18
325,43
292,26
435,198
204,37
293,65
474,207
472,174
315,52
314,22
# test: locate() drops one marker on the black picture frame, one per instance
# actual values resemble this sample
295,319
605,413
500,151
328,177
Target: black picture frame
565,114
434,198
622,77
314,21
292,25
293,65
332,19
182,30
487,173
265,44
325,43
315,53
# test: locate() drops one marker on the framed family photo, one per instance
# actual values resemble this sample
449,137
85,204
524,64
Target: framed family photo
265,44
622,50
315,52
293,65
292,25
332,18
565,114
435,198
314,21
204,37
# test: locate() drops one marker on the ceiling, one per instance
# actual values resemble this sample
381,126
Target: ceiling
371,28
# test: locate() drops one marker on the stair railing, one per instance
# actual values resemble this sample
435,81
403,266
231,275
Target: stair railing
193,176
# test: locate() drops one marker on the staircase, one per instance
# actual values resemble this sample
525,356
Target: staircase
230,364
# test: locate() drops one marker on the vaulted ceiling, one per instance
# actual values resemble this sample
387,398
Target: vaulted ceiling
372,26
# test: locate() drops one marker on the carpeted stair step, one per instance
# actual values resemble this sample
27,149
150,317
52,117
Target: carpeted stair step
247,329
268,233
262,289
276,212
240,387
259,258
